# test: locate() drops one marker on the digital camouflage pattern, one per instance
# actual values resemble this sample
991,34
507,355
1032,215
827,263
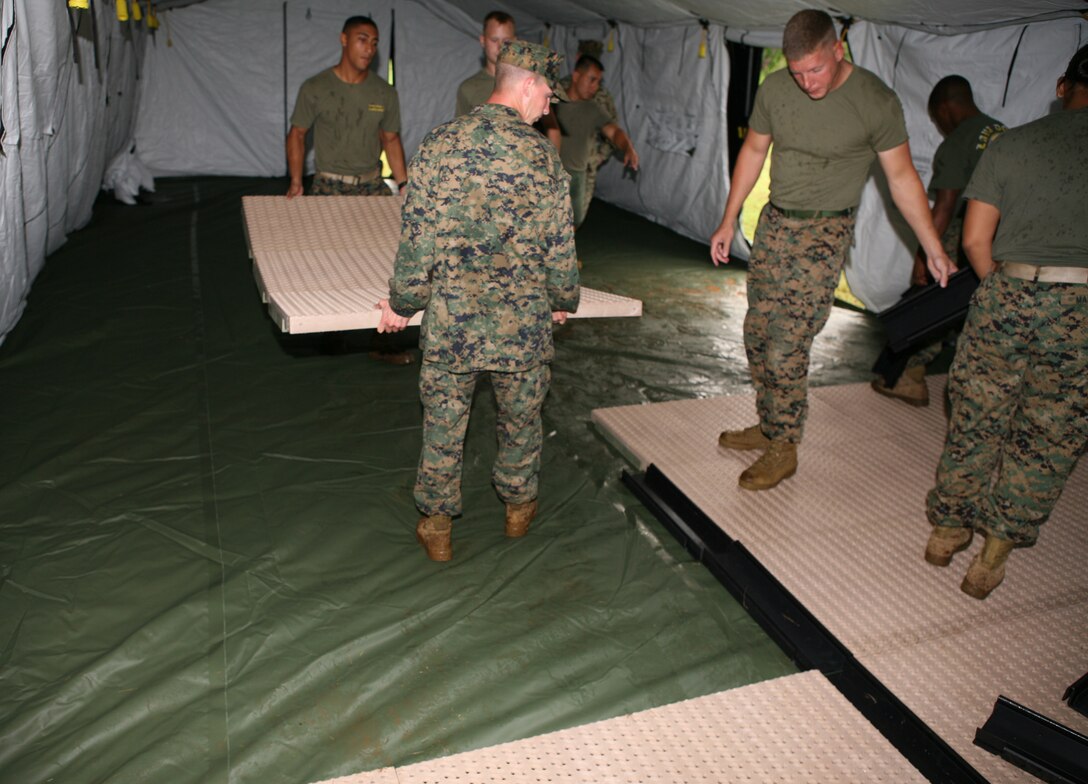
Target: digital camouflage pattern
447,401
487,249
487,244
1019,392
792,273
327,186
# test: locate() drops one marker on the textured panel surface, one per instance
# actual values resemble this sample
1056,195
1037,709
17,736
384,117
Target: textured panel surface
846,535
796,729
322,263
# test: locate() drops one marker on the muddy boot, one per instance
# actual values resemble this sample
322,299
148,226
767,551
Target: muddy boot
777,463
749,438
988,569
910,388
433,533
944,542
518,517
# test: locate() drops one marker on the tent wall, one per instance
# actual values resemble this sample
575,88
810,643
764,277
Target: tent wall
62,124
1013,72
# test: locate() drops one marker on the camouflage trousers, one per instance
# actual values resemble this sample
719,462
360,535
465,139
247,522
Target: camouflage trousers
447,401
327,186
1019,391
792,273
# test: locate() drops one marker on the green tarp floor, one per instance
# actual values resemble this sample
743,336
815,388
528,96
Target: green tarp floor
208,568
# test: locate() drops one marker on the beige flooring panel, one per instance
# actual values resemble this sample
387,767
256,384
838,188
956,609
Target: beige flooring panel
846,535
954,681
792,729
322,263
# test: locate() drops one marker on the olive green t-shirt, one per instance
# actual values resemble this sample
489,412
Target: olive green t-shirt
1037,177
474,91
957,156
346,119
579,122
822,150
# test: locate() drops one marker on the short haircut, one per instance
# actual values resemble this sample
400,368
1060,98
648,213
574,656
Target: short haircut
507,76
1077,70
807,31
499,17
354,21
952,89
586,60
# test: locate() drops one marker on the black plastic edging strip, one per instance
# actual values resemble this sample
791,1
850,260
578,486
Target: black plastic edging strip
795,630
1077,695
1038,744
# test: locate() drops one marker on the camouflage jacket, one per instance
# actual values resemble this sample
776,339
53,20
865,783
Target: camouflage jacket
487,244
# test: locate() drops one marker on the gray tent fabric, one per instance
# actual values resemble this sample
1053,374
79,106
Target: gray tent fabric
212,92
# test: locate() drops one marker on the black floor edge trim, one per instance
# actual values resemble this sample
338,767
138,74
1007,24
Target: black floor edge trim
1036,743
795,630
1077,695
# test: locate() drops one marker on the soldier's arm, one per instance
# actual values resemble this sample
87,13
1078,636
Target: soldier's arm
944,206
296,155
410,286
979,228
394,153
910,197
622,141
561,264
746,171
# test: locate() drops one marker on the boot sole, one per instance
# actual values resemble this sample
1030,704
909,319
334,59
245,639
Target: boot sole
917,402
749,485
440,555
978,591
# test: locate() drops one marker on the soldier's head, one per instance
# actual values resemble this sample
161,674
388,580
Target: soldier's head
527,79
1073,84
814,53
359,42
585,80
498,29
950,103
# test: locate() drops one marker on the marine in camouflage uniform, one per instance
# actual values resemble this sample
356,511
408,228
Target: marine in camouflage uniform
829,120
967,133
1019,382
487,251
354,115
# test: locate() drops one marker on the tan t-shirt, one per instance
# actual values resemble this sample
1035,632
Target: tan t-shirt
579,122
346,119
823,149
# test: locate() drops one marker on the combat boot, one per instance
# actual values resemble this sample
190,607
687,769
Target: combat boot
988,569
910,388
433,532
749,438
518,517
777,463
944,542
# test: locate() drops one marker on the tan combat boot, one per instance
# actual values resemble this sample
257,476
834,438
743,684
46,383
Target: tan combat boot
433,532
749,438
518,517
944,542
910,388
988,569
777,463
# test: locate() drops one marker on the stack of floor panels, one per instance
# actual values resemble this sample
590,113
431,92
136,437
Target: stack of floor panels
322,263
845,537
792,729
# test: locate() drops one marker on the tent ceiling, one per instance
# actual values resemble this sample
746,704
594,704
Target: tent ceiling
938,16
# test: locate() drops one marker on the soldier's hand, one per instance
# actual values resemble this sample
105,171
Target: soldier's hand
559,316
630,160
940,266
720,242
390,321
294,190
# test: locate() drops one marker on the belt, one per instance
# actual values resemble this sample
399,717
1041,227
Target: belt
1043,274
810,214
349,179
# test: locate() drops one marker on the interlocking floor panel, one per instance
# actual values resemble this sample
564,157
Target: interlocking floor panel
792,729
322,263
846,535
